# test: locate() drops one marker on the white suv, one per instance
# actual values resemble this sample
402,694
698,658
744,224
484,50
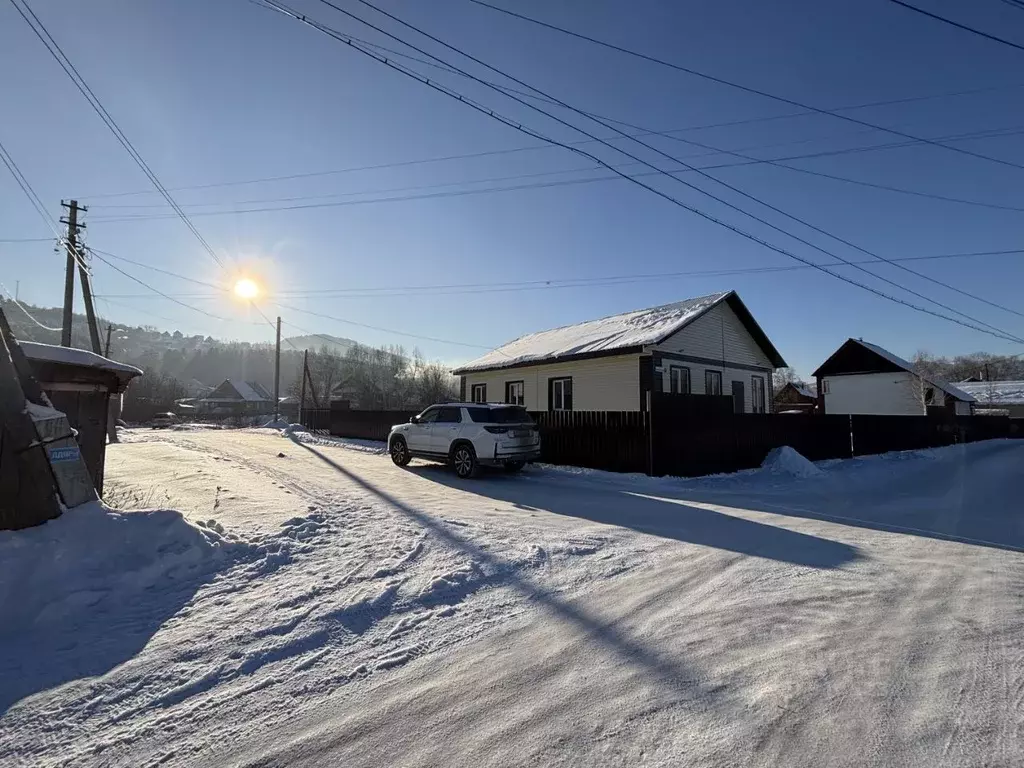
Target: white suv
467,435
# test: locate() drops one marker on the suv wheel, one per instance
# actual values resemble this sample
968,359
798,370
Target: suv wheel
464,460
399,452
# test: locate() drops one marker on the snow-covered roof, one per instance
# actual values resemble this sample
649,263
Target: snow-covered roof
807,390
251,391
71,356
995,392
630,329
899,362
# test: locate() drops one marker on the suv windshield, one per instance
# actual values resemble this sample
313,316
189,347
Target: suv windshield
513,414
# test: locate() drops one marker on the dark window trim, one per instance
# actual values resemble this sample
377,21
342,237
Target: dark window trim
551,393
472,392
508,385
707,381
689,380
710,362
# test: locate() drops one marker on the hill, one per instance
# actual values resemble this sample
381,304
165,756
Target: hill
337,345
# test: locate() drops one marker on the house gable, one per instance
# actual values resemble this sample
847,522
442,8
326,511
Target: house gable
720,335
225,391
853,357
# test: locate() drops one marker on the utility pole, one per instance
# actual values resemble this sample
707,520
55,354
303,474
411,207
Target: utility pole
69,270
302,396
277,372
90,312
17,289
106,348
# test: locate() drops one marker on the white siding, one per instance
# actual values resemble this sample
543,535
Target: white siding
717,335
886,394
599,384
720,336
728,376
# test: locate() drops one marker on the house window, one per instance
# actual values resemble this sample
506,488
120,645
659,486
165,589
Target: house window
678,380
560,394
478,393
757,394
824,386
514,393
712,382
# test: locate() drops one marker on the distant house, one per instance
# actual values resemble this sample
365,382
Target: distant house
1005,396
706,345
797,396
236,398
864,378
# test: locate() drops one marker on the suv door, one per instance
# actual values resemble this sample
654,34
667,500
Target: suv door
418,435
445,429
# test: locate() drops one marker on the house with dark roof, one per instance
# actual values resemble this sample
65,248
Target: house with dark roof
236,398
864,378
705,345
797,396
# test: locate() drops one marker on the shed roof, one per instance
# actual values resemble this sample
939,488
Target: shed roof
80,357
859,356
995,392
617,334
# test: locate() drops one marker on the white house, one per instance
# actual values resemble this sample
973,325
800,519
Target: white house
707,345
864,378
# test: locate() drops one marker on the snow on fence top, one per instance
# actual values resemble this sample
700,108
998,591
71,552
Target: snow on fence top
995,392
70,356
946,387
631,329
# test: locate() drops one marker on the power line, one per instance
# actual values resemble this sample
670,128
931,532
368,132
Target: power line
739,86
521,187
956,24
332,199
155,290
554,283
29,315
437,40
158,269
65,63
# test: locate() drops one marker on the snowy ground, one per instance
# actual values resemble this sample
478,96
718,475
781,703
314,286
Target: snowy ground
325,608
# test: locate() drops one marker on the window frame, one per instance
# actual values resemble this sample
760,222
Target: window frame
434,410
755,383
452,408
689,384
522,392
552,386
482,387
708,373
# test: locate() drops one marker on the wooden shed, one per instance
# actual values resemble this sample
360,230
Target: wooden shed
80,384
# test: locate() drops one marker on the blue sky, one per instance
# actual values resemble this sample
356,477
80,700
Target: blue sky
223,92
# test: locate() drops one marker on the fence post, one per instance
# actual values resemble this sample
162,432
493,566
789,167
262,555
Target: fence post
650,435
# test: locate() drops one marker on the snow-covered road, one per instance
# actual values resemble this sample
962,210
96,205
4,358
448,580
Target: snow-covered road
870,615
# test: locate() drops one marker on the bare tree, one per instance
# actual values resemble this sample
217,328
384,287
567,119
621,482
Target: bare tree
783,376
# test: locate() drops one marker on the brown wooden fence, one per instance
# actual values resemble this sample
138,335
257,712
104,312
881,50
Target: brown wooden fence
690,435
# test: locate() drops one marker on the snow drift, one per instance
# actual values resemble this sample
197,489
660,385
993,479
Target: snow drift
94,555
787,461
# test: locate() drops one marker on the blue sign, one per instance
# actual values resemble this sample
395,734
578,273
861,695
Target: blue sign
69,453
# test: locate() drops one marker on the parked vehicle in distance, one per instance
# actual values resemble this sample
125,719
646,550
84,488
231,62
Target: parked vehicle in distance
163,420
468,435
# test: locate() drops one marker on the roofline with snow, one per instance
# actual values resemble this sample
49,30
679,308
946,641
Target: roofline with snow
731,297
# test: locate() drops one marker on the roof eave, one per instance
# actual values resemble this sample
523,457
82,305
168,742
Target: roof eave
630,350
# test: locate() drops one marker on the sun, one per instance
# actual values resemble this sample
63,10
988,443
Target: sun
246,289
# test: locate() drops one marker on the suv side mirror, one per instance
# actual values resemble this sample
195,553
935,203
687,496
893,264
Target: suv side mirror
414,419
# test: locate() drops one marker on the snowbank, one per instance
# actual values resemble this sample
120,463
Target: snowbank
94,554
787,461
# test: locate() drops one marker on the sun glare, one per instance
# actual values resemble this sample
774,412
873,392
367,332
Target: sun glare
246,289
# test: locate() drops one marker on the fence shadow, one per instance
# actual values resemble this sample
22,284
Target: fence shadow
666,518
668,672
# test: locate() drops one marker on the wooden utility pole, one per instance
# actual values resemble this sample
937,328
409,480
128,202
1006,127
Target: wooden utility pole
90,312
277,372
71,245
302,396
106,347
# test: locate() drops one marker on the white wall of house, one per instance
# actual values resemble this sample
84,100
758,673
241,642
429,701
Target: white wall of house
599,384
697,381
885,394
718,335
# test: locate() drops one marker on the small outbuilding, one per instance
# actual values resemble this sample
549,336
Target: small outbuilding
864,378
80,384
